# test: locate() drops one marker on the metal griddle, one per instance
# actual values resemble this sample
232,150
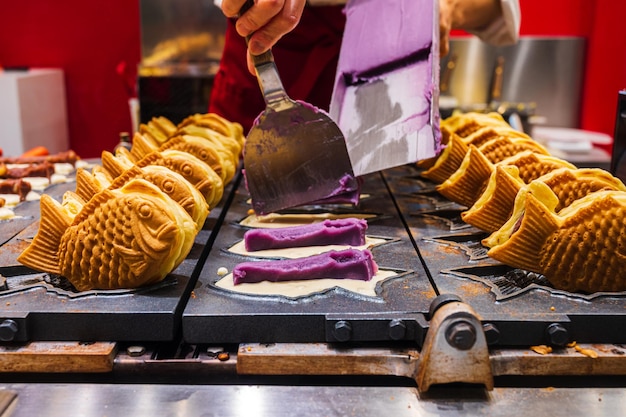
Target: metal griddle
519,308
214,315
36,306
430,248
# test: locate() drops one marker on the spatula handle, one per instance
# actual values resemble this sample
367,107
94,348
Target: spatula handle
266,56
267,73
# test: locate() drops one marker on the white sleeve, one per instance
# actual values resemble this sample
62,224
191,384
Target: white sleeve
505,29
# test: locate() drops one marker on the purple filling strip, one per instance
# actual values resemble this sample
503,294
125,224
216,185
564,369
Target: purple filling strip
349,231
344,264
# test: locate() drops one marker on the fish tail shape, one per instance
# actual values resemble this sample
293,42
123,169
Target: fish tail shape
528,229
42,253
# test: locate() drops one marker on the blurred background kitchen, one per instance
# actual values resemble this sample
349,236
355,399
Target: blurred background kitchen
158,57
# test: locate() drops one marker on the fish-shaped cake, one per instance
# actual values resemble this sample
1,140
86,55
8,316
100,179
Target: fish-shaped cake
495,205
464,124
198,173
123,238
168,181
582,248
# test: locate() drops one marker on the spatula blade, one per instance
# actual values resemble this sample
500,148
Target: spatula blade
295,156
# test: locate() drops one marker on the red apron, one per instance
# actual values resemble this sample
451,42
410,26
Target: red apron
306,59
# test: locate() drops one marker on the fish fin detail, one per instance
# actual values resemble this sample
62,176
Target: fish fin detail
86,184
152,158
43,252
112,164
125,177
134,259
524,248
88,209
142,146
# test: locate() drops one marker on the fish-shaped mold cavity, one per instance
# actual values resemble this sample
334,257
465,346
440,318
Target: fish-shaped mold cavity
124,238
580,249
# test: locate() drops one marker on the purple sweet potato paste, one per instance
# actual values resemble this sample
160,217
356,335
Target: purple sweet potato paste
349,231
344,264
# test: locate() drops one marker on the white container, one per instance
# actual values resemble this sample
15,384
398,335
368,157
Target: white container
33,111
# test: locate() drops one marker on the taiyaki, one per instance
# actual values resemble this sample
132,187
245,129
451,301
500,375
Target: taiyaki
448,161
123,238
464,124
486,133
201,149
168,181
501,147
580,249
229,158
218,124
495,205
199,174
467,184
159,129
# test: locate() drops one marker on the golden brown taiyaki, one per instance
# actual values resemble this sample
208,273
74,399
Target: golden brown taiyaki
197,147
217,123
230,143
228,159
580,249
464,124
466,184
204,151
448,161
198,173
168,181
486,133
158,129
123,238
501,147
495,205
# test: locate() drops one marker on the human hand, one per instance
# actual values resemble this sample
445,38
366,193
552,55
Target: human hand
464,14
265,22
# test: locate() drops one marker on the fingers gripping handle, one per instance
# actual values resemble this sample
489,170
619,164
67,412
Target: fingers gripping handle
267,56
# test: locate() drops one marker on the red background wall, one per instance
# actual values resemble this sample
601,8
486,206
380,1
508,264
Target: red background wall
88,40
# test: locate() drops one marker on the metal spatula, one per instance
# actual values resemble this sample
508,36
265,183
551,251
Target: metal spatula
294,154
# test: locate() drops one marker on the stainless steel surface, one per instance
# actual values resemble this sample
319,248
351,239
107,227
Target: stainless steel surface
547,71
87,400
